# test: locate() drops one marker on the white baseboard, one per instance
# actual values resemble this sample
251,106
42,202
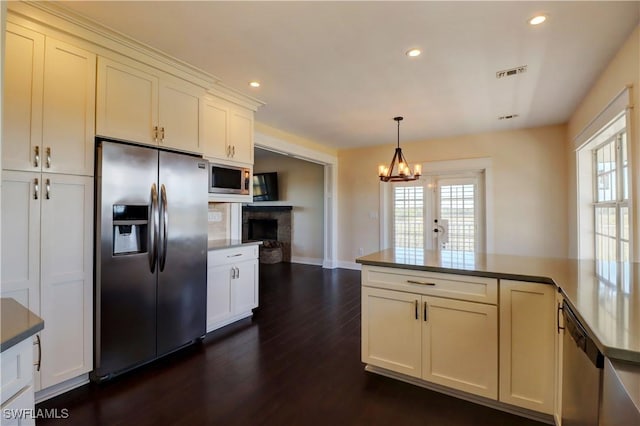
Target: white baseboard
349,265
60,388
220,324
329,264
307,260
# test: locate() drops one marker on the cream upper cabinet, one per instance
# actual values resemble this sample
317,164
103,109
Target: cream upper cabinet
147,106
226,131
460,345
527,345
49,91
127,102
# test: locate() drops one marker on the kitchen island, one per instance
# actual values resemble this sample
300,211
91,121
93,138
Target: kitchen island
486,327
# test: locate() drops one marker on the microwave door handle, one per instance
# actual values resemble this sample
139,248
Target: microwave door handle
153,229
164,219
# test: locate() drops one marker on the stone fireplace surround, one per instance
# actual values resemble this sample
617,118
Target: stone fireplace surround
280,213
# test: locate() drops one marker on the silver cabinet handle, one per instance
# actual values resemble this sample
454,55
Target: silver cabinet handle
228,150
416,306
233,150
420,282
155,133
152,250
36,189
164,218
48,157
235,255
425,312
162,133
36,157
48,189
233,273
39,344
237,272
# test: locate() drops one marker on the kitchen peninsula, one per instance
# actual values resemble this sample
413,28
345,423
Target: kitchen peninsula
488,325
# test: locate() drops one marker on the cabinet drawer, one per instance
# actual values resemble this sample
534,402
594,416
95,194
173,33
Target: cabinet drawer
232,255
463,287
17,368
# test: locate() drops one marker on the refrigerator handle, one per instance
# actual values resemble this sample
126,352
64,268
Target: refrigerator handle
164,219
153,229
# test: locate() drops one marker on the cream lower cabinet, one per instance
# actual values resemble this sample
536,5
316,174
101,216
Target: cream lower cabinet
449,342
528,345
16,385
47,265
232,285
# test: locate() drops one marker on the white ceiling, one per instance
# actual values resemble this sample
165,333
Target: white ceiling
336,72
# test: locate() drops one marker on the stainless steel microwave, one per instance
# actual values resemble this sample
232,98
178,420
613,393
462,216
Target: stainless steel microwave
225,179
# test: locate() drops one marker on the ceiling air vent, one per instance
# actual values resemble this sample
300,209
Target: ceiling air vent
508,117
511,72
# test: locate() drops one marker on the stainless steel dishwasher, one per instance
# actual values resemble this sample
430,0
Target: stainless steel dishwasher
582,365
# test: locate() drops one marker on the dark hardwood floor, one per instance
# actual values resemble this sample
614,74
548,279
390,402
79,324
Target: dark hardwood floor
297,362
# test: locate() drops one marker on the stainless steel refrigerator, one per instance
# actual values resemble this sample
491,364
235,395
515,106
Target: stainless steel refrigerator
150,254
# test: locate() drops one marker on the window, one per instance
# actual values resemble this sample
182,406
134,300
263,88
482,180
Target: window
408,217
611,199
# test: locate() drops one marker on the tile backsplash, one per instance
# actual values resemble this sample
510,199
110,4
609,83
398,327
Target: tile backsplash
219,221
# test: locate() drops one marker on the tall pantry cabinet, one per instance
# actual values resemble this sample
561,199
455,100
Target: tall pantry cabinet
47,196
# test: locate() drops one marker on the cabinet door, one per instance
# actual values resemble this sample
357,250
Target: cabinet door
126,103
391,330
180,116
21,238
69,109
218,295
245,286
241,135
527,345
22,114
214,128
460,345
66,277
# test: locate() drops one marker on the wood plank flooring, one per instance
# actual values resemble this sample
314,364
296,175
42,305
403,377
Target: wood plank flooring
297,362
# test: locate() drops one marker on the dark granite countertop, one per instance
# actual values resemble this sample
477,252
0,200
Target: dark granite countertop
607,301
17,323
228,243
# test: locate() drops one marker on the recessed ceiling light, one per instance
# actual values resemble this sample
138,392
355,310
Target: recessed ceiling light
413,53
537,20
254,84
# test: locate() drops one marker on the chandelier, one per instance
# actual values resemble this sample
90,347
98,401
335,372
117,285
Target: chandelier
402,172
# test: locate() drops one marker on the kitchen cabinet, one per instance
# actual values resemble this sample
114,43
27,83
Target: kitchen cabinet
140,104
232,285
440,340
49,90
528,345
226,131
47,263
16,387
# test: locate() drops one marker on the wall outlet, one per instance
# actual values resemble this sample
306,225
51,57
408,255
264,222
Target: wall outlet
215,216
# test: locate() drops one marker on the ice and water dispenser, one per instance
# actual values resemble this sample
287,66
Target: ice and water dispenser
130,227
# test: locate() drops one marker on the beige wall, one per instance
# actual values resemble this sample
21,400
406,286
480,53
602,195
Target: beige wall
300,184
529,186
624,69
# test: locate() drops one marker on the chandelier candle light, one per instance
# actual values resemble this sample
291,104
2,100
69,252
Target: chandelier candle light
404,173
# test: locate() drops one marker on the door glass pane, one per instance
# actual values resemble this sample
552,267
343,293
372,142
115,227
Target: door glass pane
457,208
408,213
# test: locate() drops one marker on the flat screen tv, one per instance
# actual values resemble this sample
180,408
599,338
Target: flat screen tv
265,186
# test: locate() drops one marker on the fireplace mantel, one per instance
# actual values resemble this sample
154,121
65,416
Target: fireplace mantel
254,208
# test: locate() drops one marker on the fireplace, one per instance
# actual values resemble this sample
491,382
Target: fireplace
271,224
263,229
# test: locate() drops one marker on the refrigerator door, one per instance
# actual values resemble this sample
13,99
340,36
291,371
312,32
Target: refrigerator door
126,223
182,251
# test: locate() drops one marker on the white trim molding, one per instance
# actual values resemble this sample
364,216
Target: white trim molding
344,264
330,163
307,260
